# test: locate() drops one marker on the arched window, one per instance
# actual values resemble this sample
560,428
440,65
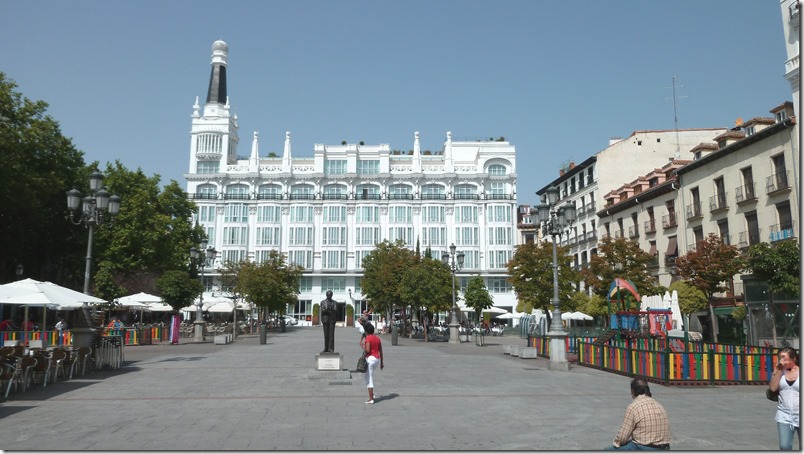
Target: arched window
400,191
497,170
270,191
236,192
367,192
465,191
334,191
432,192
301,192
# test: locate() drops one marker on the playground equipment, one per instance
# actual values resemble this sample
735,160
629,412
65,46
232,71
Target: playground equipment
625,316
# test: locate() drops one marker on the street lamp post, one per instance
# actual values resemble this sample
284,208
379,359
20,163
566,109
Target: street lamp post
449,259
90,211
199,260
553,221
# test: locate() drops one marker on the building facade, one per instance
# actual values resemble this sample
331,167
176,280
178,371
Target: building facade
326,212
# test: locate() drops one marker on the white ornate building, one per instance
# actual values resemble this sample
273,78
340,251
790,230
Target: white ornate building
326,212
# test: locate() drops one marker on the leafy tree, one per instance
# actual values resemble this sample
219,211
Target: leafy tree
38,164
690,299
271,284
383,270
152,233
531,274
427,285
709,268
619,258
779,266
178,289
477,296
596,306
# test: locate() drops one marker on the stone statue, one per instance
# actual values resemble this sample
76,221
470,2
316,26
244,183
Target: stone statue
328,315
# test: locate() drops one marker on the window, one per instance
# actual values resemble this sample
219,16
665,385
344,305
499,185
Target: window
268,236
466,236
333,236
497,188
305,284
367,214
233,255
300,191
367,191
269,214
334,190
497,170
209,143
301,258
498,213
270,191
237,191
334,166
399,190
367,236
498,285
206,213
336,284
471,260
207,192
723,229
368,167
434,236
499,259
334,213
207,167
359,256
500,235
466,215
433,214
300,236
432,190
236,212
399,215
465,191
333,260
301,214
401,233
235,236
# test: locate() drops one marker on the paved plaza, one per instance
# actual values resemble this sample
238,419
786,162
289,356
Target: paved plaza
431,396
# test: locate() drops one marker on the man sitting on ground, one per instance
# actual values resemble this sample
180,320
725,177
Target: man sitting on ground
646,425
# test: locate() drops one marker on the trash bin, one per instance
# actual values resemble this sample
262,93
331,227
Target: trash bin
394,335
282,324
262,333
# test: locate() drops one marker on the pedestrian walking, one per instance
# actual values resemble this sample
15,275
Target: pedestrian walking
646,425
373,348
787,408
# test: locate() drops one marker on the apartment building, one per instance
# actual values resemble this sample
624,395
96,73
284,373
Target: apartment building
742,186
326,212
791,25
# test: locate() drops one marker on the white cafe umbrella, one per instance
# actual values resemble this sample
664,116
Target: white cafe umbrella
506,316
220,308
159,307
138,301
44,294
495,310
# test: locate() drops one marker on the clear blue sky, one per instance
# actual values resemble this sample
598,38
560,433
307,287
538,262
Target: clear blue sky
557,79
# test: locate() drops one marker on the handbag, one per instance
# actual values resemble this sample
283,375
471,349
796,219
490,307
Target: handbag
772,395
362,364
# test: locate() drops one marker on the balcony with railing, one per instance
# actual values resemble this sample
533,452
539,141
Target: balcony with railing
590,207
434,197
748,238
633,231
669,220
650,226
745,194
653,262
670,260
400,196
302,196
725,238
694,211
203,196
335,196
777,182
236,196
780,232
466,197
717,203
269,196
368,196
499,197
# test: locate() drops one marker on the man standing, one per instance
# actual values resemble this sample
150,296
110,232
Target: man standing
646,426
328,315
61,327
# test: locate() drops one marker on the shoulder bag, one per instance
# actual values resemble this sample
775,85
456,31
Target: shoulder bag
362,364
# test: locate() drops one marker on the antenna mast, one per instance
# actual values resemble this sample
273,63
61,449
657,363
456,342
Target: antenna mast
675,117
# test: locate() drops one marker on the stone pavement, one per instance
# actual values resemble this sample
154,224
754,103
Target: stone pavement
431,396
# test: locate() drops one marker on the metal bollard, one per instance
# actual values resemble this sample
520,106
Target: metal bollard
394,335
262,333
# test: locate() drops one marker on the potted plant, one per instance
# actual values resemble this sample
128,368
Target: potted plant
315,314
350,315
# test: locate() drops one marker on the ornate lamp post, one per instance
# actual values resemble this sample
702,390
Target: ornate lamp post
92,210
200,260
553,221
449,259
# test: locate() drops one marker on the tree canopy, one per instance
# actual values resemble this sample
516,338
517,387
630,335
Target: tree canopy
711,265
383,271
271,284
477,296
779,265
531,275
427,284
619,258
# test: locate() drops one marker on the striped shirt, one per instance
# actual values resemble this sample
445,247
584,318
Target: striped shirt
645,422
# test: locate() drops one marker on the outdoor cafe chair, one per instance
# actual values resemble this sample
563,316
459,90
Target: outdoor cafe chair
40,372
81,359
57,359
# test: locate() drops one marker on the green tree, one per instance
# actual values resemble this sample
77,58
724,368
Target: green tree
619,258
178,289
710,268
690,299
427,285
531,274
383,270
477,296
152,233
271,284
38,164
779,266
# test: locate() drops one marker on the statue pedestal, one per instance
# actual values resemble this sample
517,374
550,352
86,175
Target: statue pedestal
329,361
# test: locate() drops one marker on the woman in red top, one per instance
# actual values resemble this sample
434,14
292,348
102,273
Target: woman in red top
374,355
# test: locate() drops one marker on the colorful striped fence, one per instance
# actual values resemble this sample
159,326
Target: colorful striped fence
670,361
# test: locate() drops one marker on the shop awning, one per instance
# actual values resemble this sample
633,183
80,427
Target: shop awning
652,249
